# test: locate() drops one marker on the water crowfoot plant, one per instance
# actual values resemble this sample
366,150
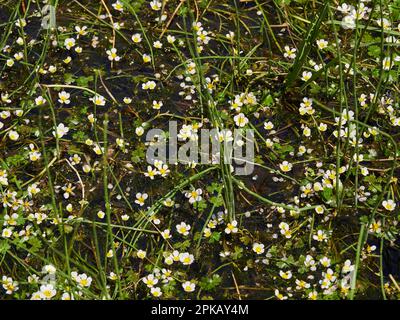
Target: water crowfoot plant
193,149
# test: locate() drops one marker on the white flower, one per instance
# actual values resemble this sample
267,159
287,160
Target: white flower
183,228
136,38
98,100
319,209
191,67
285,166
289,52
110,254
149,85
322,127
306,131
141,254
358,158
66,297
40,100
285,230
186,132
258,248
155,5
285,275
364,171
141,198
69,43
188,286
157,44
347,267
146,58
170,39
91,118
325,261
139,131
157,105
49,269
231,227
168,202
240,120
150,280
376,227
383,22
13,135
81,30
387,63
5,97
186,258
389,205
5,114
6,233
68,190
156,292
18,56
101,214
301,284
163,170
118,6
268,125
320,236
3,178
33,189
10,62
310,263
127,100
61,130
112,55
225,135
194,195
306,75
166,234
98,150
67,60
344,8
348,22
151,172
20,23
47,291
322,44
279,295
